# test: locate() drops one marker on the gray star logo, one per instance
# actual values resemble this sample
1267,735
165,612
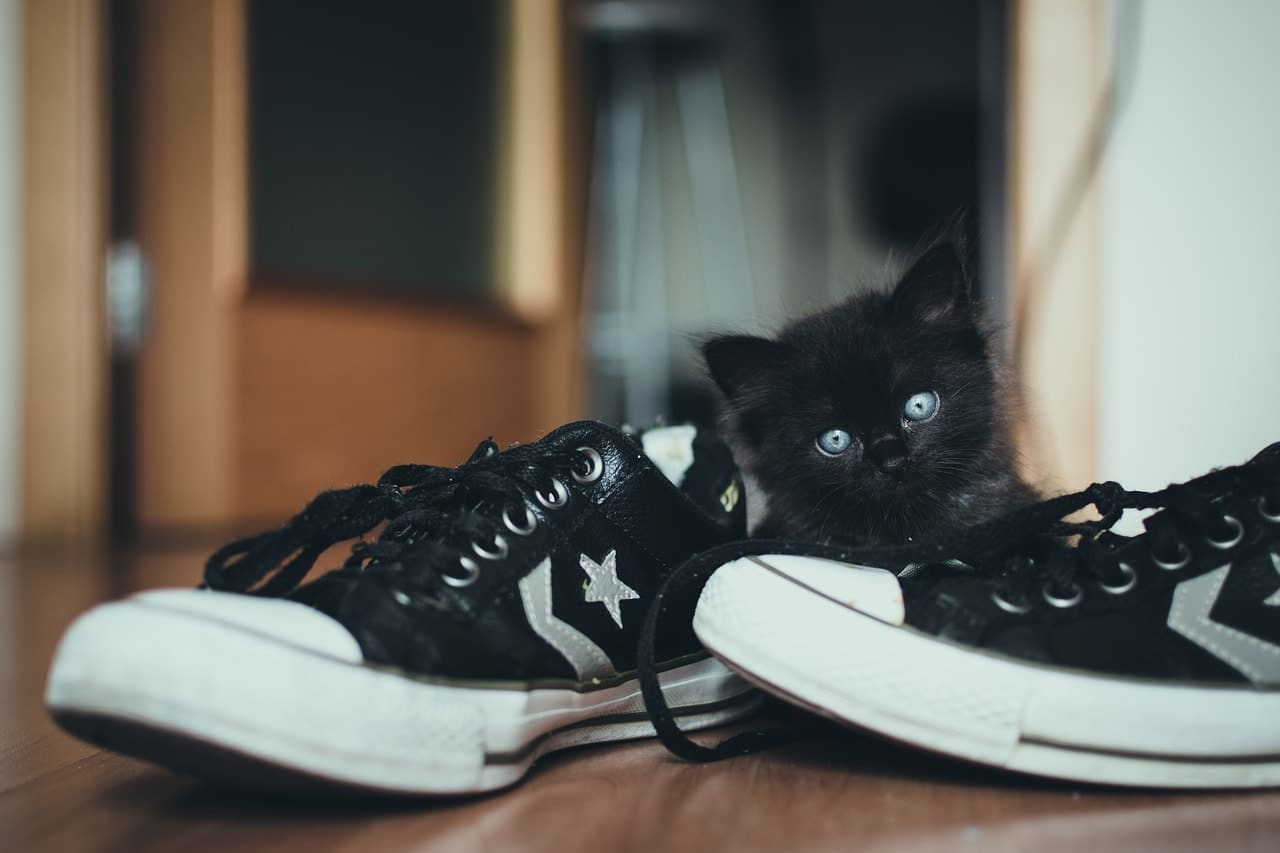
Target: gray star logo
603,585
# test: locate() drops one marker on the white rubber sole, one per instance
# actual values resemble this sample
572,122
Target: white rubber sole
158,679
821,654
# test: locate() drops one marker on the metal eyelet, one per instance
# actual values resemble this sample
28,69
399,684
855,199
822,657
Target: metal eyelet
1184,557
1262,511
594,469
1129,582
530,522
556,498
401,598
499,552
1070,601
1008,606
1237,534
471,572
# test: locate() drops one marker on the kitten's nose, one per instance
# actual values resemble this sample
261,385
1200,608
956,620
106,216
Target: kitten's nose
889,453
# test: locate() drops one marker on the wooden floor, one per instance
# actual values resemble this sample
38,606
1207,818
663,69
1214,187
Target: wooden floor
835,791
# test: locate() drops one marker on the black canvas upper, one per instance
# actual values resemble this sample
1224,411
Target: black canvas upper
1033,587
1125,632
411,600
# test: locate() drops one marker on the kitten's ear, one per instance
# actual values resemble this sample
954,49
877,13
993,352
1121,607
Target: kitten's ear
936,287
737,362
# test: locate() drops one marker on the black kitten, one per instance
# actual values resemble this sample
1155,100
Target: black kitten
884,419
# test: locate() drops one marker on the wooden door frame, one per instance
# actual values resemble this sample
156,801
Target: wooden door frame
63,462
1057,83
191,191
201,395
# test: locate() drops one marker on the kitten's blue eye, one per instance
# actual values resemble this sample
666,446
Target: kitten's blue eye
921,406
833,442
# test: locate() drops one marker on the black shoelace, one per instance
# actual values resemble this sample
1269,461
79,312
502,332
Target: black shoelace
443,524
999,548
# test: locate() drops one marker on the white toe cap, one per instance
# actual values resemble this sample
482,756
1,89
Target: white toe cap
873,591
273,618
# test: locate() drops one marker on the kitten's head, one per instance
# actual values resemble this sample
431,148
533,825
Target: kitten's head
882,402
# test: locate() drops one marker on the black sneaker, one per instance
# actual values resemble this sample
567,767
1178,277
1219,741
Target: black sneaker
493,620
1151,660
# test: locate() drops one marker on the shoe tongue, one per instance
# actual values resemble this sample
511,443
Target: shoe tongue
671,450
483,450
700,465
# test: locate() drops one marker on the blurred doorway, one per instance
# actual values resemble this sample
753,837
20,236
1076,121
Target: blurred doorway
339,269
757,159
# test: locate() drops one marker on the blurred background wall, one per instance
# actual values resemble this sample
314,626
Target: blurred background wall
757,160
1189,332
627,176
10,240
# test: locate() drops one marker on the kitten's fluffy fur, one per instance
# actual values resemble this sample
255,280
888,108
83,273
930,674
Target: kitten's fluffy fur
853,367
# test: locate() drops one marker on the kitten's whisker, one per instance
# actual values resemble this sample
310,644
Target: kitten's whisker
822,528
